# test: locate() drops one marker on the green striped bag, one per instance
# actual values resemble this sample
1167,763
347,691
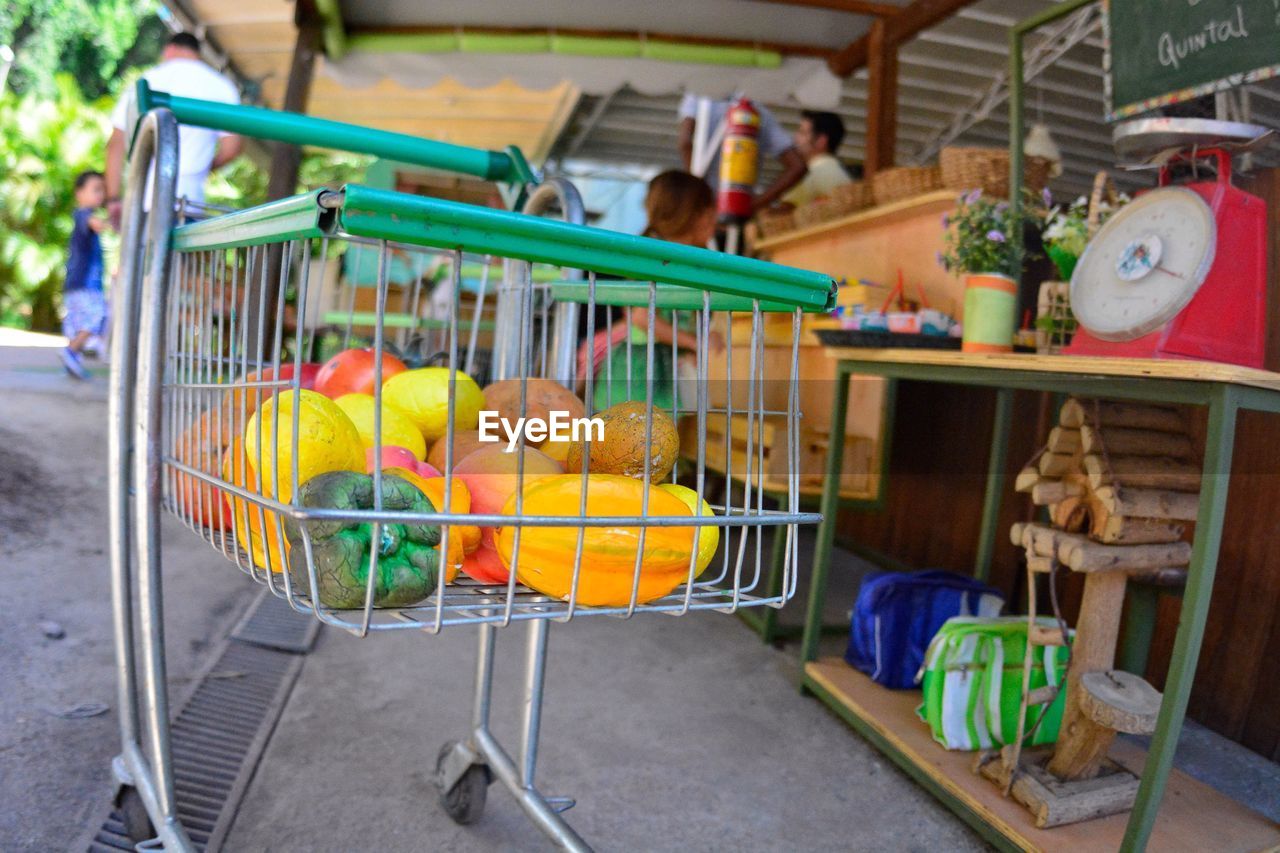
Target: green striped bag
973,682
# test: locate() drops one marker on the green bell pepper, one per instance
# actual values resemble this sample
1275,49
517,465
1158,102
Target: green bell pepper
408,563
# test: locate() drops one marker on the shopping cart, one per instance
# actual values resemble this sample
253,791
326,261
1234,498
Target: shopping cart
211,421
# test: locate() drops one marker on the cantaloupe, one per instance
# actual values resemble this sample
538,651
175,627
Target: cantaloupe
543,397
465,442
622,449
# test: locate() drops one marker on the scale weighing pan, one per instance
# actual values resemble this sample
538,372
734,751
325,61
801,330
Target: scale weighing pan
1143,141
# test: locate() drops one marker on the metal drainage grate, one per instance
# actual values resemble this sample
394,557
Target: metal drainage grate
223,728
272,623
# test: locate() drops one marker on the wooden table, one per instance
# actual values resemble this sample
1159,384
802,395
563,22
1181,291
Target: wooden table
1188,822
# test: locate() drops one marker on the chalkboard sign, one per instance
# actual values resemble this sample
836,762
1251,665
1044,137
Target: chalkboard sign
1164,51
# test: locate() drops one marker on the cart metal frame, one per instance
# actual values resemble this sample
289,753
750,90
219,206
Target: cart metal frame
157,386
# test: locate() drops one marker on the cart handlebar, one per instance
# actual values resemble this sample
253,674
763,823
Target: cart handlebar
273,125
451,225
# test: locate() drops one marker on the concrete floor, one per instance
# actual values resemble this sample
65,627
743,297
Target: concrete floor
672,734
55,772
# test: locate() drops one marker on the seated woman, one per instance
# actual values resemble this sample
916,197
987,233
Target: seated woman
682,209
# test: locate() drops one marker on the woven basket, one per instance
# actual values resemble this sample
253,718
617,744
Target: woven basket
851,197
901,182
815,212
774,222
987,169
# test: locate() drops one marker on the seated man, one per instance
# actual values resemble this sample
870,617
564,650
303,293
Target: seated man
818,139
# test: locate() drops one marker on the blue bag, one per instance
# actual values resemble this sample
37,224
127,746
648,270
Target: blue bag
897,614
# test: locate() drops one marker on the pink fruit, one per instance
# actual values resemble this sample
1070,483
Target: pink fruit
394,456
490,476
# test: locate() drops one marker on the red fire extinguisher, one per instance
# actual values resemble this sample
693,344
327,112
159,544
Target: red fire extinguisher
739,161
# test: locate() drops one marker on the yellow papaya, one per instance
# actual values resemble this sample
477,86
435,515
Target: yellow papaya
608,553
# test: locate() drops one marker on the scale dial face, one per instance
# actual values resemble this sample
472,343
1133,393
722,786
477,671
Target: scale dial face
1144,265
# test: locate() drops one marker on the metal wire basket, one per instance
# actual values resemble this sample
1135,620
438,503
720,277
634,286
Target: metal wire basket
212,420
228,353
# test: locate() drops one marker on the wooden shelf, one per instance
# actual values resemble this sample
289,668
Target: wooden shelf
873,217
1193,817
1138,368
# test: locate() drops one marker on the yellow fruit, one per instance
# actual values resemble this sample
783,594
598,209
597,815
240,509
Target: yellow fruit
708,537
269,549
557,450
327,441
397,428
423,395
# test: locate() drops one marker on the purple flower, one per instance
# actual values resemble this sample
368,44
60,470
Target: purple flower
946,220
995,236
1002,207
972,198
1046,197
942,262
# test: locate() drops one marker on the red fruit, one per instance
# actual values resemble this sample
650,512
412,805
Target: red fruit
490,477
352,372
484,565
248,397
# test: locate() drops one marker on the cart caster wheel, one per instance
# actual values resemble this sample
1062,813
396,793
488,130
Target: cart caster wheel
464,802
133,812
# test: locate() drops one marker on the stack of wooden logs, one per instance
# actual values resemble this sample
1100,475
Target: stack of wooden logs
1119,475
1119,480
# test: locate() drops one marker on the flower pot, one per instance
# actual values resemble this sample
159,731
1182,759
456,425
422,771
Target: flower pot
990,311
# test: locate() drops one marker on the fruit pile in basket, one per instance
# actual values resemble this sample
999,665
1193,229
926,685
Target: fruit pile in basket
249,442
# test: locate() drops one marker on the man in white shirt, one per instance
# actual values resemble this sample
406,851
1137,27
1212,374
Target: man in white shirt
818,139
773,142
181,72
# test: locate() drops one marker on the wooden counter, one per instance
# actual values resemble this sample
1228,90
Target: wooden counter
873,244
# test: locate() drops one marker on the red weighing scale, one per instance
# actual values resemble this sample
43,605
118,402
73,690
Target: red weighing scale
1181,271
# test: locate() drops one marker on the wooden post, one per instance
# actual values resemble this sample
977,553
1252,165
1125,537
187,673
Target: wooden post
1081,746
282,180
882,99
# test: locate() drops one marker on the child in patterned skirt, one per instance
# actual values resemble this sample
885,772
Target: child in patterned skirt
82,297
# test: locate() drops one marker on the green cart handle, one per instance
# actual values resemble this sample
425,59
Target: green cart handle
454,226
507,166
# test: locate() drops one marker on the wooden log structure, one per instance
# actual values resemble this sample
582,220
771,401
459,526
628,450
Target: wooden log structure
1048,492
1122,441
1095,558
1076,413
1122,530
1026,479
1065,440
1149,503
1058,464
1118,479
1142,472
1081,747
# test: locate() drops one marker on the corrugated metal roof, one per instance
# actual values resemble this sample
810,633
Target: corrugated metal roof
946,75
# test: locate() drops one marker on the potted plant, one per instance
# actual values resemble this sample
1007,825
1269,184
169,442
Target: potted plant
979,248
1067,230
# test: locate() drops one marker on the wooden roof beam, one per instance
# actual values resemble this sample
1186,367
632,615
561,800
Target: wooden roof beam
911,21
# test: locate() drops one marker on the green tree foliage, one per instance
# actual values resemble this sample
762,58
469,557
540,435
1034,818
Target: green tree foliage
95,41
73,59
44,144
